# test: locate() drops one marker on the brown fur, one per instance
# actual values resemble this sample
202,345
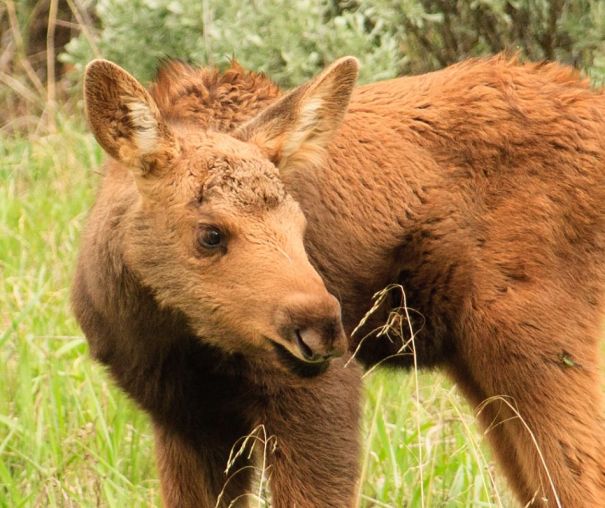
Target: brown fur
480,189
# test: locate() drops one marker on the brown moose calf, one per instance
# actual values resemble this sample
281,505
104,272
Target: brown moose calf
479,189
194,287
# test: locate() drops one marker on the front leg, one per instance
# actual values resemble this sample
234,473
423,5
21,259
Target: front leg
315,460
193,470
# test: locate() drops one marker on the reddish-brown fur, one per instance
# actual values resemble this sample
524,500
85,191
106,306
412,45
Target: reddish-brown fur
480,190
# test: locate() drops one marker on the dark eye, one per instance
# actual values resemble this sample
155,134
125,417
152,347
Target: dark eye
210,237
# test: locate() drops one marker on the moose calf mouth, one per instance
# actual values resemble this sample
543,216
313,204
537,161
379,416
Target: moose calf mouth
297,366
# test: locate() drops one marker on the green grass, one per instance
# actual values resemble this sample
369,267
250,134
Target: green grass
68,437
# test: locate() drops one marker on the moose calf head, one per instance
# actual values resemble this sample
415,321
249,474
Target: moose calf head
211,230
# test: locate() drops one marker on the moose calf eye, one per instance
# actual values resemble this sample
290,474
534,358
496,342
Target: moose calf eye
210,237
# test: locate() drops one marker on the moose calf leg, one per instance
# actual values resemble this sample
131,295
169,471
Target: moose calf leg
192,474
314,460
557,439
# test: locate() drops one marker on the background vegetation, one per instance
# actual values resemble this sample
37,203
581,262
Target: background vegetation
67,436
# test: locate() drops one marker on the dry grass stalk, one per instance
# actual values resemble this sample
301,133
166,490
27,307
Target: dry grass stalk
510,403
248,446
51,96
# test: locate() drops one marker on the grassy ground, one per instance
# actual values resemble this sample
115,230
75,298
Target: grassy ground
68,437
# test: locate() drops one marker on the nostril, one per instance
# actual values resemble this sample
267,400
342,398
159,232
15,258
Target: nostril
305,350
313,345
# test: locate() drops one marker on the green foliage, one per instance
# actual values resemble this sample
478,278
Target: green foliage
291,41
67,438
436,33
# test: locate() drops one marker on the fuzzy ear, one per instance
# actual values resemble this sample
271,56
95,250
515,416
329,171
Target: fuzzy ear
125,119
298,128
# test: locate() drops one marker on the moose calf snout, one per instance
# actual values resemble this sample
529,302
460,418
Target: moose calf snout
310,327
318,344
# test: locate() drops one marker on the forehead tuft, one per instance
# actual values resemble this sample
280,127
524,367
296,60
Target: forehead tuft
247,183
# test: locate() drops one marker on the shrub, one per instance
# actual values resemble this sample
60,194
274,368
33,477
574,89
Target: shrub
436,33
291,41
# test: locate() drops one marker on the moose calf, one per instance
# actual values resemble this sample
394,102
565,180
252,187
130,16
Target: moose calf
193,286
479,189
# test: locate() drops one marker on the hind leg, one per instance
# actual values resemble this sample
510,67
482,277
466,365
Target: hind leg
557,442
315,427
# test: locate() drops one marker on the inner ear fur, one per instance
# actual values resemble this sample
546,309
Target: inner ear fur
298,128
125,119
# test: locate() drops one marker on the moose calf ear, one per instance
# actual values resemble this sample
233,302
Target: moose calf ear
125,119
298,128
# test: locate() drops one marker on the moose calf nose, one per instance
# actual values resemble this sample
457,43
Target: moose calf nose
314,346
311,327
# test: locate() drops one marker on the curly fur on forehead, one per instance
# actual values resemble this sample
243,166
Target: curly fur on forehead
249,184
